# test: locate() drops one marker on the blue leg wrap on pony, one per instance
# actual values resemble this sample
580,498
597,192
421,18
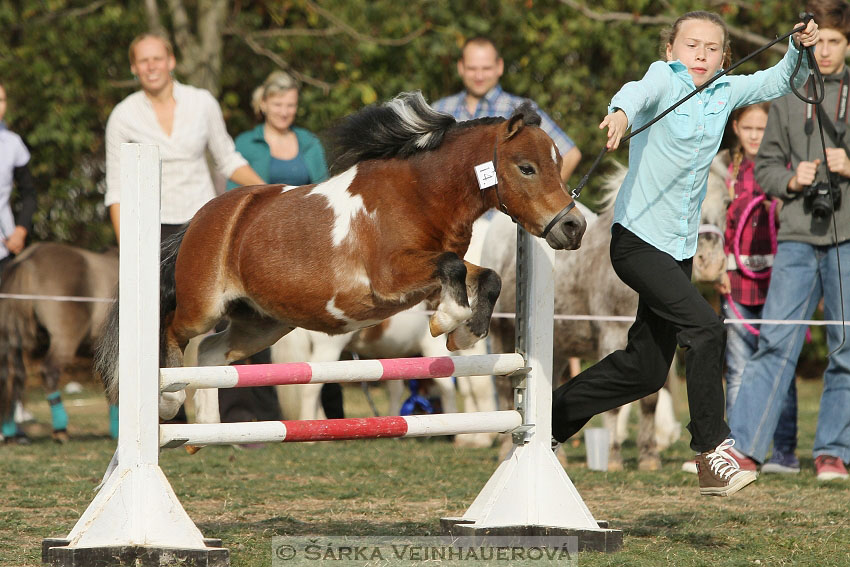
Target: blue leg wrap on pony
10,428
113,421
57,411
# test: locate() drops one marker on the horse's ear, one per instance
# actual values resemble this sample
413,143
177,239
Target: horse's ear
524,115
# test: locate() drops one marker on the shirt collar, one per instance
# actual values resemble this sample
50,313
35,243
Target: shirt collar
2,125
490,98
835,77
681,71
177,90
259,132
493,94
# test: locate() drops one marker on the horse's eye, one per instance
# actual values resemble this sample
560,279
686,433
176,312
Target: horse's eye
526,170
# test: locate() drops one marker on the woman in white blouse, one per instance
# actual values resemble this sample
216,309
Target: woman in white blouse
183,121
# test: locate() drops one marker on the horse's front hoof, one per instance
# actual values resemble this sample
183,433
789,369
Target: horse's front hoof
61,436
461,338
192,449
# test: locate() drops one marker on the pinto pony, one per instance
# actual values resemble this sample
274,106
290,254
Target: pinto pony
387,231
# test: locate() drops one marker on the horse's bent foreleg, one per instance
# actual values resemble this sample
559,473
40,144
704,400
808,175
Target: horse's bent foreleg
483,287
453,308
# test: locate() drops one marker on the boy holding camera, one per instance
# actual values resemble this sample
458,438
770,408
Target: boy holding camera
791,166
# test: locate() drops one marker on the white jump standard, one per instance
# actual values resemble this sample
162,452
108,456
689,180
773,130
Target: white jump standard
136,519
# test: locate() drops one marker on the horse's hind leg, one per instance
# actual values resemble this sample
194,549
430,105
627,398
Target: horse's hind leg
648,456
611,420
483,286
244,336
60,355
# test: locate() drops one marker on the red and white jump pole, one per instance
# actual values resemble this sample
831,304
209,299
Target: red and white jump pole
174,435
247,375
136,515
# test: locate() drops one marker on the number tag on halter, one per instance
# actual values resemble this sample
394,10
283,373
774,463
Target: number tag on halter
486,174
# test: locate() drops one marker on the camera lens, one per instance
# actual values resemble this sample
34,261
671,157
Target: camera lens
819,200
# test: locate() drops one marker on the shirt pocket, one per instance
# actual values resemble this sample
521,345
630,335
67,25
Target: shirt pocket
680,123
715,117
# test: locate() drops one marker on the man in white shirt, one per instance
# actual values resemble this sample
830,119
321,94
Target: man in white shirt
183,121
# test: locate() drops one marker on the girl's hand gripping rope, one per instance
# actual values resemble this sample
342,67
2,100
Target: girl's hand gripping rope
617,123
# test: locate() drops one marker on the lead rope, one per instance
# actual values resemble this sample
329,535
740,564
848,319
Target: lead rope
576,193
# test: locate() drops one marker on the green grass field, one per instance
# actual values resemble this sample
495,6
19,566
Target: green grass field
403,487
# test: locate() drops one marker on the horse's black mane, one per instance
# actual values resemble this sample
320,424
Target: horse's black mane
400,128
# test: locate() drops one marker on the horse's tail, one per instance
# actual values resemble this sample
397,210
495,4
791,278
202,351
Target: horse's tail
399,128
18,332
106,352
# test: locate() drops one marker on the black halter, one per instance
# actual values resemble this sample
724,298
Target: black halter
504,208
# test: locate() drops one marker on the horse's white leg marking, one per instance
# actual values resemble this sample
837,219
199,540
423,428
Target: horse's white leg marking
206,406
170,402
343,204
667,429
449,314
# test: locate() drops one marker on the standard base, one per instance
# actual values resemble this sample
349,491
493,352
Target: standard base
55,553
602,539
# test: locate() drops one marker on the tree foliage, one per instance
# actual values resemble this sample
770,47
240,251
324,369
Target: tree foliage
64,65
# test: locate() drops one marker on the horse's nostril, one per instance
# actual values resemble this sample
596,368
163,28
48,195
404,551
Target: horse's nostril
572,225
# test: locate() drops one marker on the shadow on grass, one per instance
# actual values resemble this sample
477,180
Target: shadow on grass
290,526
676,527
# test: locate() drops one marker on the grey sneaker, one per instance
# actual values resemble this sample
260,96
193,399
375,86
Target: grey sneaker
781,463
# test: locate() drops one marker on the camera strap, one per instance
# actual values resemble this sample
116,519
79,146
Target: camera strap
837,129
825,125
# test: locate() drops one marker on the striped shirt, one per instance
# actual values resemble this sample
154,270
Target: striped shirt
500,103
198,125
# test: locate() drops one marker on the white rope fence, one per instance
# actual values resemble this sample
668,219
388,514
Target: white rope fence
496,315
57,298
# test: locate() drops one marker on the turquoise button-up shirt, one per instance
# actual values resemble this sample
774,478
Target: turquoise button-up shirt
661,196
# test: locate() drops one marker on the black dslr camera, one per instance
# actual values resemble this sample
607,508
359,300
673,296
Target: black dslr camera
821,199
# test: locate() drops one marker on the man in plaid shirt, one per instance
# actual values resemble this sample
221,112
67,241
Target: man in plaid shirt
480,68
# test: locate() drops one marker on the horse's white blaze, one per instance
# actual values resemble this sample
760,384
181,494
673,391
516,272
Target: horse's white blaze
345,206
554,154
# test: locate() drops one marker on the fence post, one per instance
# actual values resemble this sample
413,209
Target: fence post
136,514
530,493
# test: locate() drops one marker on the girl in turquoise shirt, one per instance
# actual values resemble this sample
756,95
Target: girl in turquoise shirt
654,238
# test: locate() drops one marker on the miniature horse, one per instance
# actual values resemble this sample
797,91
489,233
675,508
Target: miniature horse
50,268
387,231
